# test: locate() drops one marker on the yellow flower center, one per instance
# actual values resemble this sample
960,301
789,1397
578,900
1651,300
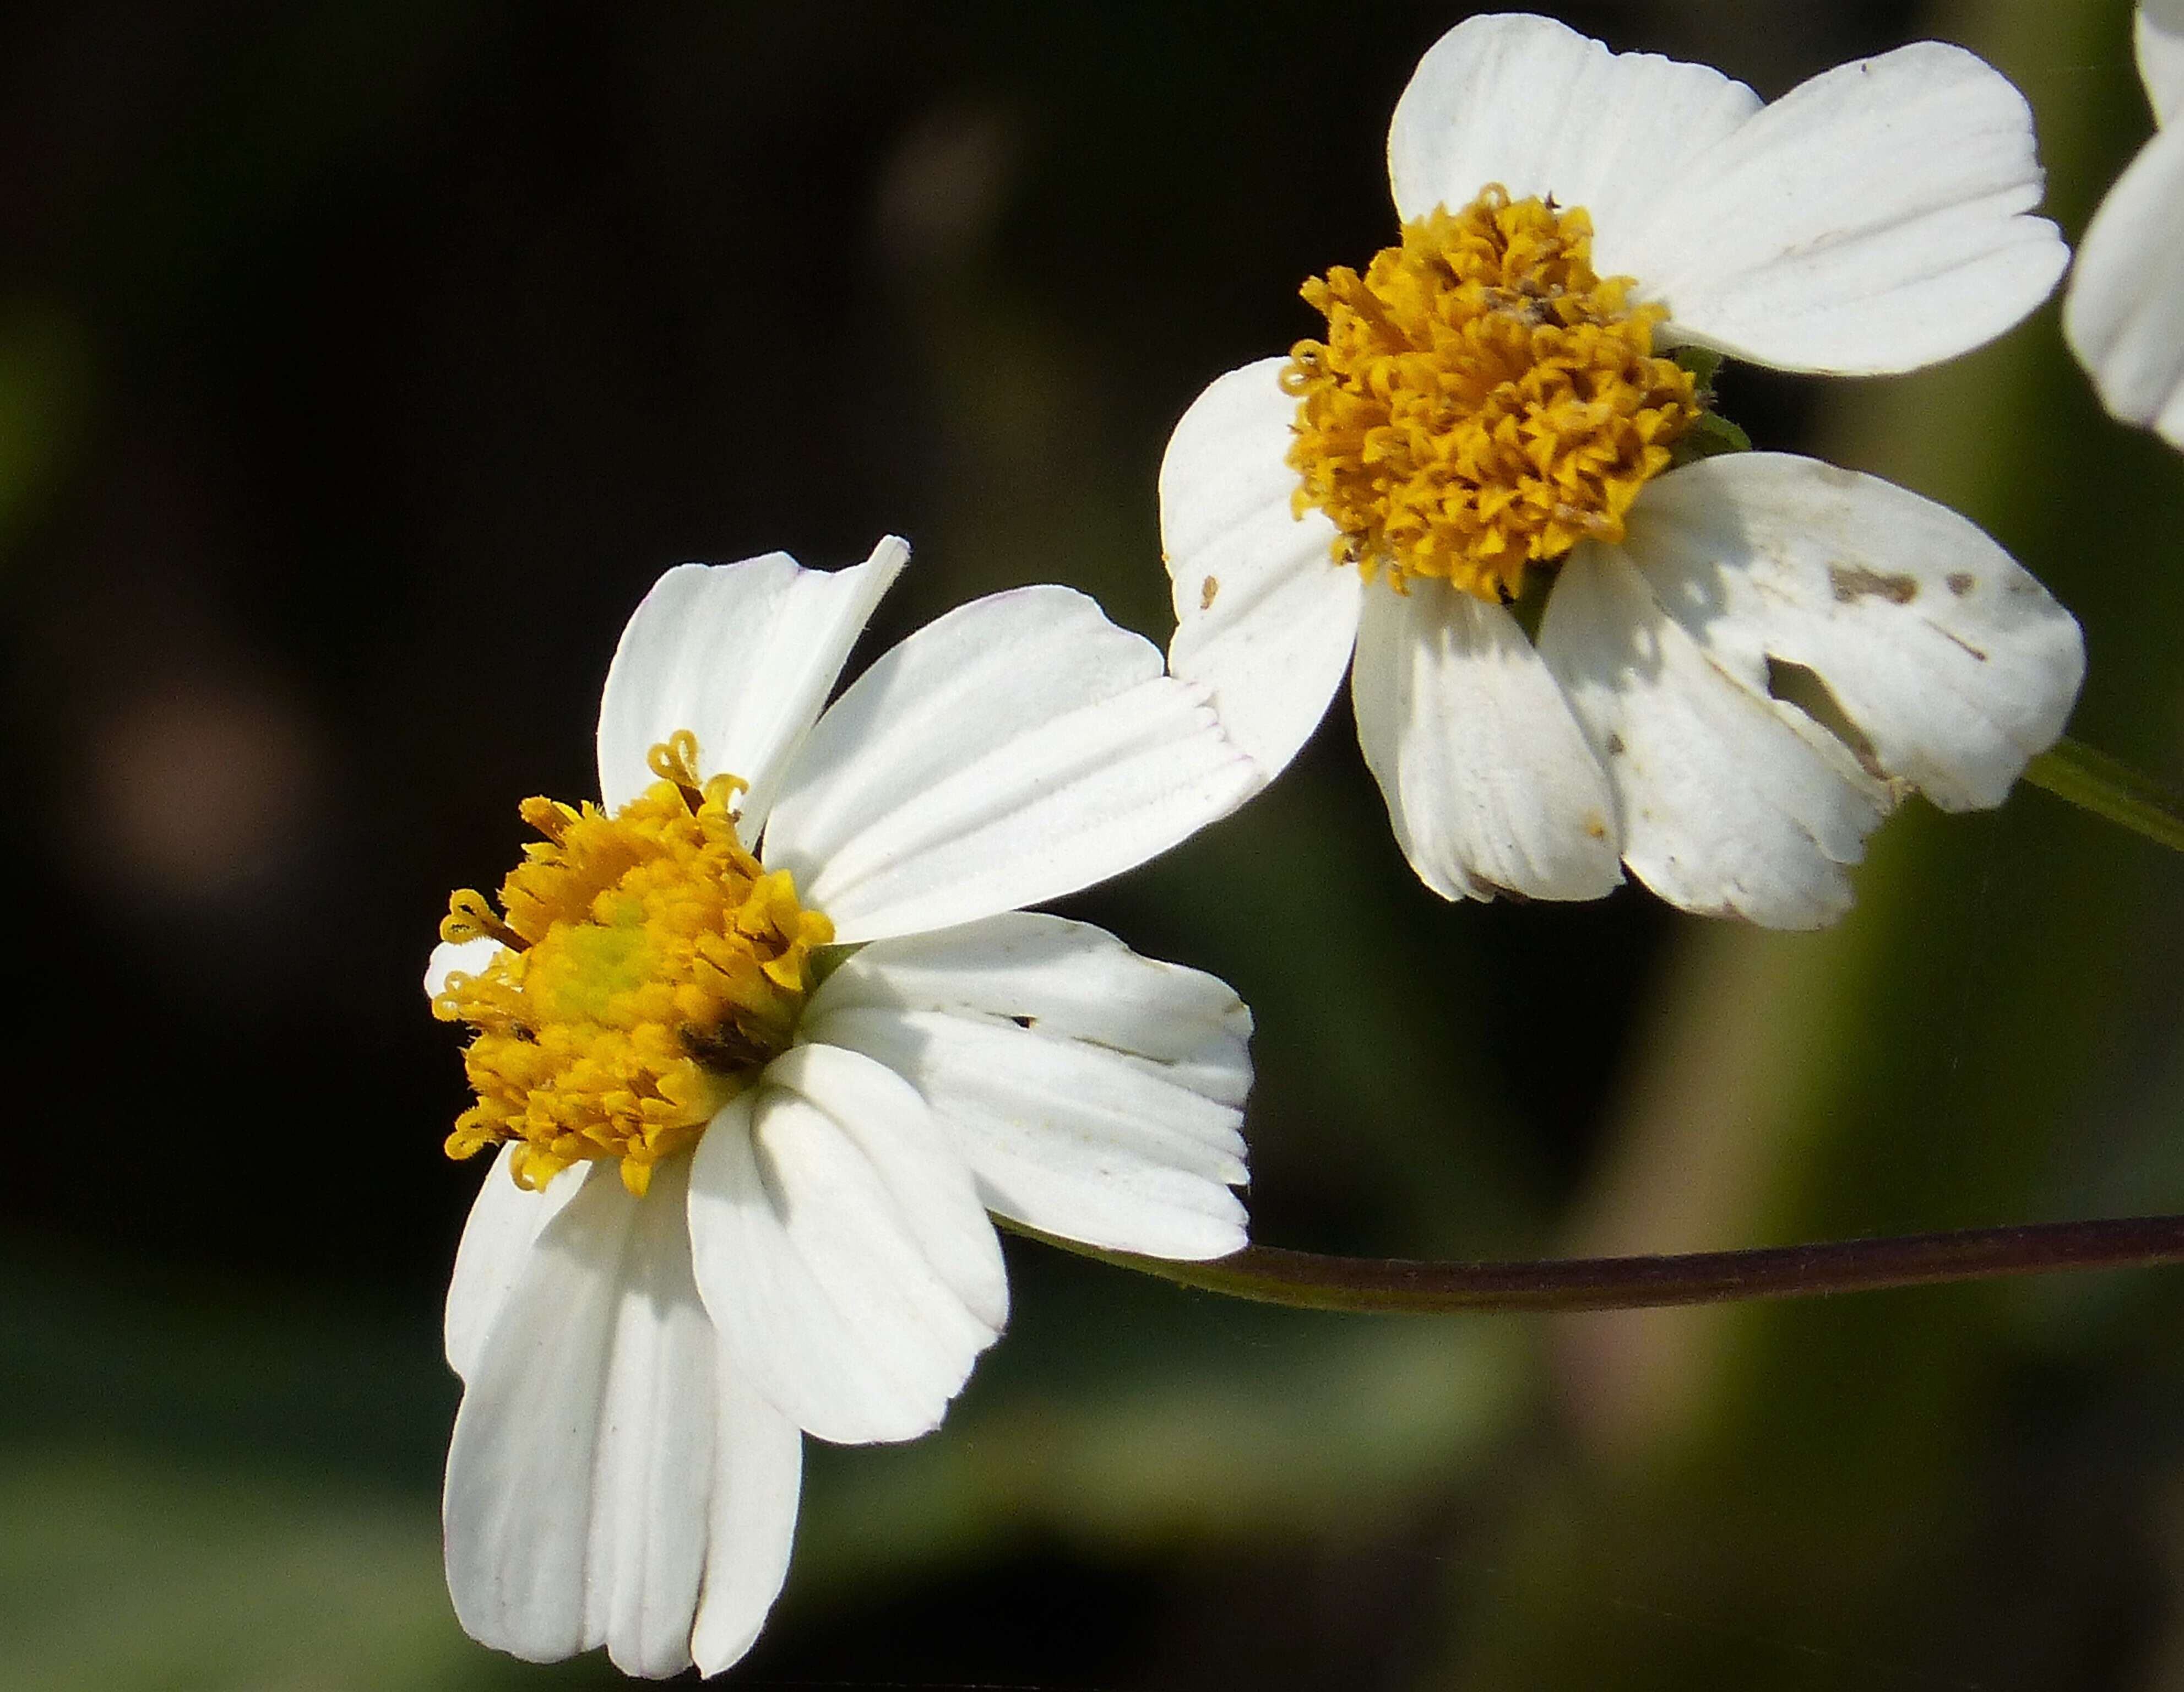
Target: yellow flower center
650,968
1483,401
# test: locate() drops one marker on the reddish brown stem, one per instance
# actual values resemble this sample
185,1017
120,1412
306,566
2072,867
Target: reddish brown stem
1308,1281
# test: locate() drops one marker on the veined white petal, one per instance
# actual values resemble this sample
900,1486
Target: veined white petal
842,1249
1095,1094
1019,748
1954,663
1874,219
2158,33
742,655
2124,314
758,1475
1490,784
591,1489
1264,614
1073,1139
1524,102
457,957
504,1224
1731,802
1078,981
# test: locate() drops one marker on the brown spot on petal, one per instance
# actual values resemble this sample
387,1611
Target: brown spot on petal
1961,582
1206,594
1851,585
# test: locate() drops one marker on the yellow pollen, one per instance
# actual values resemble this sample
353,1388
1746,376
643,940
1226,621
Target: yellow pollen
652,967
1482,401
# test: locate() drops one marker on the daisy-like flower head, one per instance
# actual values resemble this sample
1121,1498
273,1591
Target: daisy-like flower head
1494,408
763,1036
2124,314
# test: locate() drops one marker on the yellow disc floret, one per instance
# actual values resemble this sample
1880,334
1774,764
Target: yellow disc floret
650,968
1483,401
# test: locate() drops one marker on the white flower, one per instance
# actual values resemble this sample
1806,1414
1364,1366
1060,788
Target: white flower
2123,312
1490,399
800,1238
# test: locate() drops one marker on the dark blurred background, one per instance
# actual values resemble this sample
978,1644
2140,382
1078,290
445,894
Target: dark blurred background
361,364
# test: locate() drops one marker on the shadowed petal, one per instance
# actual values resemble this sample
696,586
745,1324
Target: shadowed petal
1732,803
2124,314
1490,784
1095,1094
842,1248
505,1224
1954,664
2158,33
602,1487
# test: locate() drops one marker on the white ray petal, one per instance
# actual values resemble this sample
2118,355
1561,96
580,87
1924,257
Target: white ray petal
1077,981
742,655
1017,749
1264,614
457,957
1874,219
1732,803
2124,314
1095,1094
758,1475
590,1484
841,1248
1490,784
1955,664
1532,105
505,1224
2157,34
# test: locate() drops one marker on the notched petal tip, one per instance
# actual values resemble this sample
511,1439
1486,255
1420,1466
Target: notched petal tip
1876,219
1543,110
1016,750
741,654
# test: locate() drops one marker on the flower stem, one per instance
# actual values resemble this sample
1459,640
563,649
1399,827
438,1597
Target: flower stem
2093,781
1267,1275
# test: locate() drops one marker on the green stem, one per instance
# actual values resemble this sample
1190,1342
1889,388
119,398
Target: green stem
1267,1275
2093,781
